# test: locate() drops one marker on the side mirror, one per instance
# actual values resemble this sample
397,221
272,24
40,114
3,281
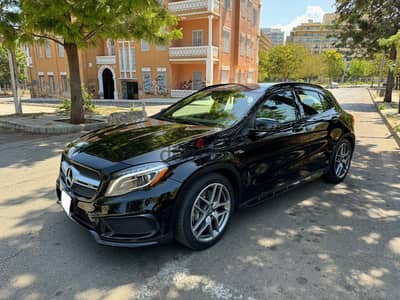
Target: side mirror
265,124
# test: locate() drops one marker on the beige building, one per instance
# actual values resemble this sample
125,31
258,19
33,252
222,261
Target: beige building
315,36
219,45
264,42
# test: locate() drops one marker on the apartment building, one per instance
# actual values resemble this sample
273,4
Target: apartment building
264,42
277,36
316,36
219,45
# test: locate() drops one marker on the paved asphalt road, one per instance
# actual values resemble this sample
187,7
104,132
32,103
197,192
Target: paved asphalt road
316,242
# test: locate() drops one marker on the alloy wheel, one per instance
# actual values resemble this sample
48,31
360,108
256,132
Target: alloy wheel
342,160
210,212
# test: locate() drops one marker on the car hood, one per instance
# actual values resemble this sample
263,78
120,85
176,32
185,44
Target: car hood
133,143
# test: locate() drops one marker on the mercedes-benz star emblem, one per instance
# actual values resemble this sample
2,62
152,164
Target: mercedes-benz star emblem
69,177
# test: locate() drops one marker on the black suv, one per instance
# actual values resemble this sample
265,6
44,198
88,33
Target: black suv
183,172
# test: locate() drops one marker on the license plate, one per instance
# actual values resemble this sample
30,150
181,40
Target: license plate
65,202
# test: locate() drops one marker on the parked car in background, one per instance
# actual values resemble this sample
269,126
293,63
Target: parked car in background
184,172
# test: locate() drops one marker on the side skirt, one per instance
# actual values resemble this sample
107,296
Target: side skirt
271,194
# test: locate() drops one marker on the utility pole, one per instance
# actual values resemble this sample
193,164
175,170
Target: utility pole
381,69
12,63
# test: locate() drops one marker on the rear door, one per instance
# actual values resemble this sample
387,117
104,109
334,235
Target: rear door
318,116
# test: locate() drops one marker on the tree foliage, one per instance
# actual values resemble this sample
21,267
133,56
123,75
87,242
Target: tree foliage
5,76
262,65
334,64
311,67
366,22
283,62
81,23
360,68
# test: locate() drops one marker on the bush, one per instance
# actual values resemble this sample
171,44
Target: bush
65,104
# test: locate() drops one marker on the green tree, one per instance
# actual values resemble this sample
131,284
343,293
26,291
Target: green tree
334,65
311,67
359,68
393,41
78,24
284,61
262,65
367,21
5,76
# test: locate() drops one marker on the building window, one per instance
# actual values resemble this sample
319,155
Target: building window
248,47
162,80
228,4
254,17
42,83
64,84
110,47
236,76
250,77
160,47
226,41
147,85
243,8
249,11
60,50
197,37
242,45
39,51
127,60
52,87
225,76
145,45
242,76
47,48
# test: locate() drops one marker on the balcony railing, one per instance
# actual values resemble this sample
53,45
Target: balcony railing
191,6
105,60
191,52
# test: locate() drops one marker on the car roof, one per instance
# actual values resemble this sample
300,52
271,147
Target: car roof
263,87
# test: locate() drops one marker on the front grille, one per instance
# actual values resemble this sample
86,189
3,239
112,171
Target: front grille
83,182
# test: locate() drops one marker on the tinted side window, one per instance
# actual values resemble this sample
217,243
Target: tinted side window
280,106
312,102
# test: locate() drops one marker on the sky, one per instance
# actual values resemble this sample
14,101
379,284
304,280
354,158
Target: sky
286,14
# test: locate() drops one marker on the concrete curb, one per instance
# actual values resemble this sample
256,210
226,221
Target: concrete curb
392,131
18,125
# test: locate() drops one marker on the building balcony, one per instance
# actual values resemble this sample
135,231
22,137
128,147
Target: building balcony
105,60
193,7
191,53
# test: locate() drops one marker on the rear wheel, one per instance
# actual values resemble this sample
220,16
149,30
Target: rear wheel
340,162
205,212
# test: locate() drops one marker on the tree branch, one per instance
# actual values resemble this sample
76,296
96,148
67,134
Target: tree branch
92,33
47,37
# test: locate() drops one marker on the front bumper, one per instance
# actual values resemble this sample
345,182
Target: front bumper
137,219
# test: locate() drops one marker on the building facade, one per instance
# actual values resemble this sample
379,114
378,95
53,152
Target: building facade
315,36
219,45
276,35
264,42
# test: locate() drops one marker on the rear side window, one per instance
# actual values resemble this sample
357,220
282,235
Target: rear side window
313,102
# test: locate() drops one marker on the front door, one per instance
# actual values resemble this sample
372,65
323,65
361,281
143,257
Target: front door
108,84
273,158
197,80
132,90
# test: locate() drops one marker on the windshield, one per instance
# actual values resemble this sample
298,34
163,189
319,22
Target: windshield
220,107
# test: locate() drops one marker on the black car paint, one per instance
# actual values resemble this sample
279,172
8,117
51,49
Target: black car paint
297,152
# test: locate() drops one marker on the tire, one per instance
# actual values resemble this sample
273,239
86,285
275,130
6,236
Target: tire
215,214
332,176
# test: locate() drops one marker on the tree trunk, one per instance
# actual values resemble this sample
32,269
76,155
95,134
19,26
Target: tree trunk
14,80
77,110
390,79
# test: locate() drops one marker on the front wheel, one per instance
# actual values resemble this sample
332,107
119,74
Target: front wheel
205,212
340,161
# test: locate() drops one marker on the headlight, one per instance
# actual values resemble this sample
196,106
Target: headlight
136,178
